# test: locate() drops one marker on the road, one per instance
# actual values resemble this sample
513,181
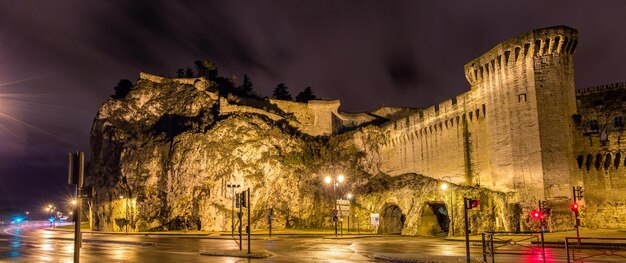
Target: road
31,243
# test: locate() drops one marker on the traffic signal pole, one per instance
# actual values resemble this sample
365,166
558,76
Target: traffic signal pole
467,249
249,228
577,220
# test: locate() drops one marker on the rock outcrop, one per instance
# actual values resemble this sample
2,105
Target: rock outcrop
164,155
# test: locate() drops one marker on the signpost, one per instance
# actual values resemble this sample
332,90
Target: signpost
75,177
375,220
343,208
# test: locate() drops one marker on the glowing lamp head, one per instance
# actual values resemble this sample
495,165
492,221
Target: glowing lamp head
121,197
444,186
74,202
340,178
327,179
349,196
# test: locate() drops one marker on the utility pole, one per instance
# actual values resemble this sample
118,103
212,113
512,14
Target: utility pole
75,177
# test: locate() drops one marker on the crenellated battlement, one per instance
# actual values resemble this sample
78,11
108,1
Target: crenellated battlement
552,41
600,88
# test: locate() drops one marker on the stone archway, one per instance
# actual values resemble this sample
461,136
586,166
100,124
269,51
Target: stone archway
391,219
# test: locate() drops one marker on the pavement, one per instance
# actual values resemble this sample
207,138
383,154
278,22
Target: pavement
320,244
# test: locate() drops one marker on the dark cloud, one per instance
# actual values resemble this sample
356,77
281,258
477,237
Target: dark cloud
60,59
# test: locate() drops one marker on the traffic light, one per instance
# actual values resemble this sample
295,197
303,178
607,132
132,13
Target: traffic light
243,199
472,203
574,207
536,214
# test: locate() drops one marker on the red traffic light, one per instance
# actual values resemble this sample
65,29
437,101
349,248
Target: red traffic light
536,214
574,207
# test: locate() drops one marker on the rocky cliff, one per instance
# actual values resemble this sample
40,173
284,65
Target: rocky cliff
163,155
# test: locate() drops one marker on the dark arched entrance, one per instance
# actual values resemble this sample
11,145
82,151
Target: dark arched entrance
434,219
391,220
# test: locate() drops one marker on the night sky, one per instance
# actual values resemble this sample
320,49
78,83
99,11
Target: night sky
59,60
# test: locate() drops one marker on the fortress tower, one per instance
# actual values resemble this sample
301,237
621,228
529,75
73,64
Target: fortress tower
528,84
512,131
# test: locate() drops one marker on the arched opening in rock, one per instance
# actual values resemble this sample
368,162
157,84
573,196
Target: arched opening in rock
391,219
434,219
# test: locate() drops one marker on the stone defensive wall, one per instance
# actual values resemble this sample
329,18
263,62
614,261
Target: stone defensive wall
315,118
510,132
601,156
321,117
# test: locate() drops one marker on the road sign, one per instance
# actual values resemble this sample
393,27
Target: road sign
375,220
343,202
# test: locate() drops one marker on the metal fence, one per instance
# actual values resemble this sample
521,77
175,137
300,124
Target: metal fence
598,248
512,243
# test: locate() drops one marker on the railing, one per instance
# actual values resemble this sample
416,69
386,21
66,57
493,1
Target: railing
518,243
609,248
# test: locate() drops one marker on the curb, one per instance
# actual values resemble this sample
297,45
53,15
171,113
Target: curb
238,253
406,258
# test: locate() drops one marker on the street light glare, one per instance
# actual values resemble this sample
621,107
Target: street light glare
74,202
340,178
349,196
444,186
327,179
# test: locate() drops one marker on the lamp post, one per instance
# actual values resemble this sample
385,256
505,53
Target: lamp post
335,182
50,209
349,196
445,187
233,186
125,211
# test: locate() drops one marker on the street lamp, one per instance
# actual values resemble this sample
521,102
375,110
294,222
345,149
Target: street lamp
444,187
335,181
233,186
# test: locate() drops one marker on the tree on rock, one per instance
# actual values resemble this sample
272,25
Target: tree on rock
306,95
122,88
281,92
246,87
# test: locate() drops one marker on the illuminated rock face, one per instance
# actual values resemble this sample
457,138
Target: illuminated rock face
166,153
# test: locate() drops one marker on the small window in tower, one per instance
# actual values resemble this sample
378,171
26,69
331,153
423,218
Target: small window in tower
526,48
521,97
453,100
580,160
618,160
598,161
607,161
618,122
593,125
589,160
